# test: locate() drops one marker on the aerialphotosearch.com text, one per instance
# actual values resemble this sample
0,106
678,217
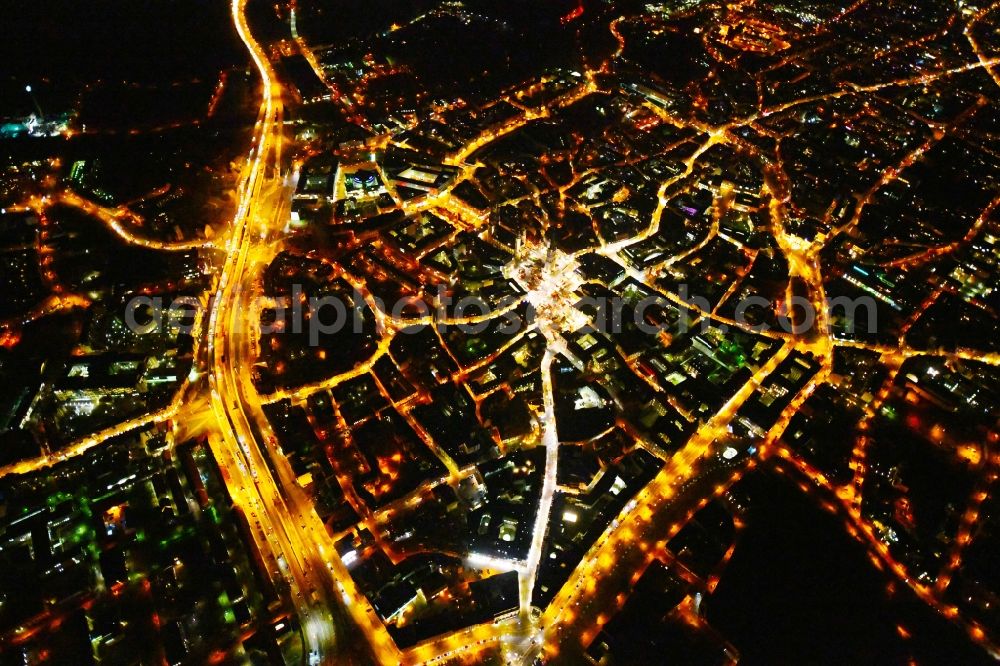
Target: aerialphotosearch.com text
328,314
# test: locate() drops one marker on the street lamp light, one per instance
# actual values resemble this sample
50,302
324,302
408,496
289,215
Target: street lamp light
34,101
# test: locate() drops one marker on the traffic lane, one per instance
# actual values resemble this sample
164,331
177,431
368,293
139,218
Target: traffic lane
599,592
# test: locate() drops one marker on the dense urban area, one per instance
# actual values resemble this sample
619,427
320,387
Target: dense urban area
537,332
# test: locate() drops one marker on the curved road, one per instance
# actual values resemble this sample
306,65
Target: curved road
288,532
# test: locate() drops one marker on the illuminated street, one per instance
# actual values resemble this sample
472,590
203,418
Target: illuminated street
465,333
